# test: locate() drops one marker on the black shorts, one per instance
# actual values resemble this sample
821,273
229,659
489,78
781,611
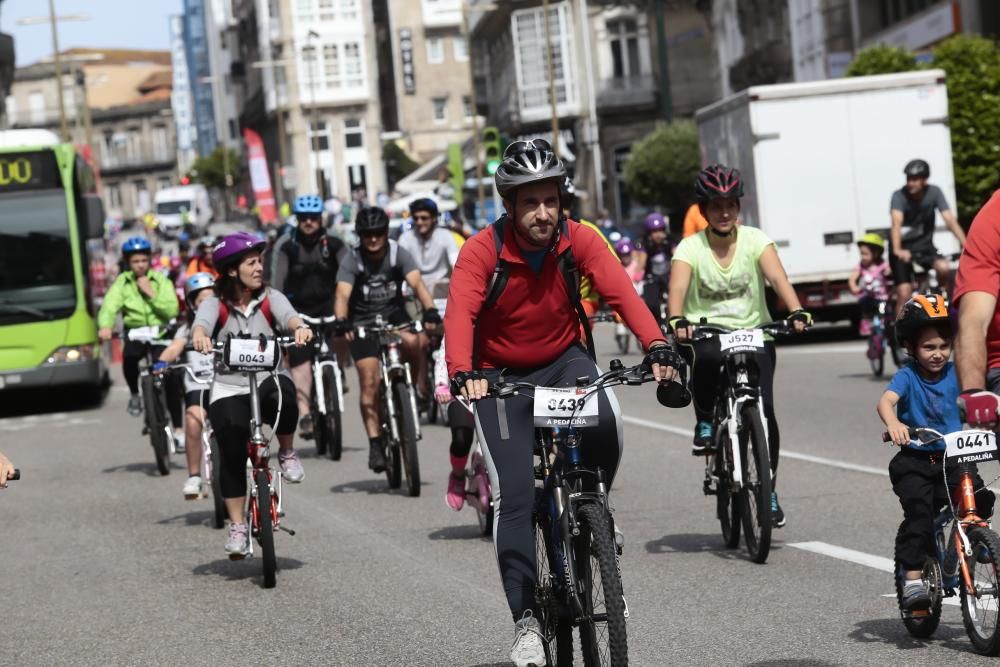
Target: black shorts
902,272
300,355
196,398
364,348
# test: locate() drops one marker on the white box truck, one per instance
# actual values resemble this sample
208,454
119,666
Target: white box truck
183,206
821,161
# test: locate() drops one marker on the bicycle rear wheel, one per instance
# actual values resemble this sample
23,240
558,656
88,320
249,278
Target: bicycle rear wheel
603,638
265,528
556,627
980,612
408,437
219,519
726,503
156,423
755,496
332,426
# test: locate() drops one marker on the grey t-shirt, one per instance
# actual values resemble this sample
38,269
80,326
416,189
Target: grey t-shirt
435,256
202,365
918,216
253,322
378,284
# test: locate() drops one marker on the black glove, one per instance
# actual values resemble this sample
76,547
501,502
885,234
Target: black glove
800,315
678,322
459,380
432,316
660,354
341,327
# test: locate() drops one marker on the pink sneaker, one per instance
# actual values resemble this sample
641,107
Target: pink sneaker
456,492
866,327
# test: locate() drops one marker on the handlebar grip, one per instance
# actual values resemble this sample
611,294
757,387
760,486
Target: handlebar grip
16,475
886,437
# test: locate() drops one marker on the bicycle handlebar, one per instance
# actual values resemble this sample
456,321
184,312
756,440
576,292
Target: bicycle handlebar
778,327
16,476
318,321
915,436
375,329
633,376
603,317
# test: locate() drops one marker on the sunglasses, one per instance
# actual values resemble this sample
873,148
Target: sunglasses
303,217
372,234
423,216
518,147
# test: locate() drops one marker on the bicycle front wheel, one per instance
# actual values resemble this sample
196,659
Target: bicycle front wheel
393,465
980,612
332,426
265,528
603,638
876,355
755,496
156,423
408,436
556,627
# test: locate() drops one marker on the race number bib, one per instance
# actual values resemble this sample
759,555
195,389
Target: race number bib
202,365
971,446
745,340
565,407
144,334
248,355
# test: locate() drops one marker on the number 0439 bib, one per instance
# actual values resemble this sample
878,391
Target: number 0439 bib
565,407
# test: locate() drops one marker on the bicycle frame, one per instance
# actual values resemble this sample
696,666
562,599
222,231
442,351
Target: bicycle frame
392,367
324,358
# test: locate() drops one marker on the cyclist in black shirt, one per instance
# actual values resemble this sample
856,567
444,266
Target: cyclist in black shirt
369,284
913,220
304,268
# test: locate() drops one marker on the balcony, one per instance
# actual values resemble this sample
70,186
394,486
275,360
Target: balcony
627,91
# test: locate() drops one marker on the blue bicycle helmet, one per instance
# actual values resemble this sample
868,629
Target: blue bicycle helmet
308,204
136,244
424,204
197,283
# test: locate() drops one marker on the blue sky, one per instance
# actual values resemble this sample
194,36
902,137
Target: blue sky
130,24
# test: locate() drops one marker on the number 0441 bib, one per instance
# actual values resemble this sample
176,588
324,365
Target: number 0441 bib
565,407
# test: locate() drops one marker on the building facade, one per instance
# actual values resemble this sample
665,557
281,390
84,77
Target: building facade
181,99
199,65
919,24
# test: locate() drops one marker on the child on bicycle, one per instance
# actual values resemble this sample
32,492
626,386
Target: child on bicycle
870,278
197,289
922,394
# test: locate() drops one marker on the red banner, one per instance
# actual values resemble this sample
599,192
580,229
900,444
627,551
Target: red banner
260,177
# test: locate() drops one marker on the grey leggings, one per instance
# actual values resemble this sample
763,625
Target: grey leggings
507,437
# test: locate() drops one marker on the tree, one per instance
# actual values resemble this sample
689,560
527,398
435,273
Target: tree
398,165
663,166
211,170
882,59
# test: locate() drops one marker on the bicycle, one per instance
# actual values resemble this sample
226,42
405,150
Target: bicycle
578,572
623,337
740,476
877,340
156,419
970,543
327,402
263,505
478,490
398,412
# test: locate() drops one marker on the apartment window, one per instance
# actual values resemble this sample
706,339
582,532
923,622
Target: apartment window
354,136
163,183
435,50
36,108
440,109
331,65
234,129
352,65
530,56
114,195
132,145
348,9
11,110
326,12
467,107
623,38
461,48
320,138
159,138
304,10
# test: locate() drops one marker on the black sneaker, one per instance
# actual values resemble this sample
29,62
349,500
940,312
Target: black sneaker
376,456
134,406
702,444
915,598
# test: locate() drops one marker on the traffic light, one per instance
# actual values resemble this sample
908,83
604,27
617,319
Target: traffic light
491,149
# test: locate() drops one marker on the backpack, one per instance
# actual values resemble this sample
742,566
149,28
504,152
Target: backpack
264,307
570,272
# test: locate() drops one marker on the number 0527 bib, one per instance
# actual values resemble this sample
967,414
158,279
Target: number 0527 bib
565,407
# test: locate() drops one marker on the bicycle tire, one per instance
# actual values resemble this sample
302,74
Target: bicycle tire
603,637
265,528
333,419
727,505
924,626
408,437
393,466
985,636
623,343
483,514
156,423
755,496
219,519
876,361
556,628
320,433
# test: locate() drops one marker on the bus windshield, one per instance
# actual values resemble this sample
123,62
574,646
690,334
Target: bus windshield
36,282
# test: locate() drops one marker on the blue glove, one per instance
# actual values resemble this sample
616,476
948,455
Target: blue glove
159,367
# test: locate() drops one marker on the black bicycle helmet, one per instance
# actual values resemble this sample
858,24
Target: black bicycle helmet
424,204
917,169
923,310
716,182
371,219
527,162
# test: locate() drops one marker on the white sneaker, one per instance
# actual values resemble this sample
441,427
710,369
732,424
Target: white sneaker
238,544
194,488
529,648
179,441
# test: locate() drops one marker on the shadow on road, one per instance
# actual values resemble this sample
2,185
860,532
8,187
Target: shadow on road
493,664
41,401
371,486
147,468
871,377
249,568
793,662
693,543
891,631
200,518
469,532
821,333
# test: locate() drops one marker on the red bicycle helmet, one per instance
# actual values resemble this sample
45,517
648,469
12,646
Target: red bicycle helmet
718,181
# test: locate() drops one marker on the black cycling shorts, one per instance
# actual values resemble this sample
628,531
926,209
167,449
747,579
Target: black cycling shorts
197,398
364,348
902,272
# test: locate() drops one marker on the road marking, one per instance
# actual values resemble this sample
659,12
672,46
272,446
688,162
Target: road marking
833,463
838,348
56,420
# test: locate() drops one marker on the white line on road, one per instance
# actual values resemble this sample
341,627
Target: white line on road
833,463
839,348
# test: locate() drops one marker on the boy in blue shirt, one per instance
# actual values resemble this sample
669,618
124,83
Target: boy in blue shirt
922,394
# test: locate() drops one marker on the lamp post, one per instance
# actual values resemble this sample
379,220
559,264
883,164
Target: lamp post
476,139
280,113
550,66
52,19
312,106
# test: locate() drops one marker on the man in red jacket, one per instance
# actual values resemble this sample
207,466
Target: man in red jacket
531,332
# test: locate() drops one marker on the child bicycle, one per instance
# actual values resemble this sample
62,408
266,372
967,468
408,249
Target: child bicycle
327,407
967,554
155,416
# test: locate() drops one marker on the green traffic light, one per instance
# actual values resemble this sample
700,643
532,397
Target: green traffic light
492,166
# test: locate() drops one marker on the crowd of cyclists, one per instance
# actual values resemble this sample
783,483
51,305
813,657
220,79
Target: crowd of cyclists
520,297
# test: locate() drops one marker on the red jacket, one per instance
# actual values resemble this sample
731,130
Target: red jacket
533,321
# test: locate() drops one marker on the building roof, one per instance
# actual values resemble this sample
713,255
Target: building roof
162,78
119,56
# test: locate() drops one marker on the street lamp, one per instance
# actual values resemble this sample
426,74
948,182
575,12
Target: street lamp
313,60
280,113
52,19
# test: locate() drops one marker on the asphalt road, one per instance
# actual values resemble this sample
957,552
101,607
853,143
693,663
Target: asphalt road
104,562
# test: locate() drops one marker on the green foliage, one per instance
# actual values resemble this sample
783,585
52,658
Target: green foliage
972,64
663,165
398,165
210,170
882,59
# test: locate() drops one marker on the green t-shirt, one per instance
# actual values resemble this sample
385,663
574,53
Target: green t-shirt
730,297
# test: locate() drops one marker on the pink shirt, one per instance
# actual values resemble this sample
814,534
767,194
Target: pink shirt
873,280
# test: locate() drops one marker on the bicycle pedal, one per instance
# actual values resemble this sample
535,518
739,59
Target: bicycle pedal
287,530
237,556
145,430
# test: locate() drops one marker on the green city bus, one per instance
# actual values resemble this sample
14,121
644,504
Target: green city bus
49,210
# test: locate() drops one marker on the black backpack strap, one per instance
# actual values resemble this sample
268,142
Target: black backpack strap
501,272
571,274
